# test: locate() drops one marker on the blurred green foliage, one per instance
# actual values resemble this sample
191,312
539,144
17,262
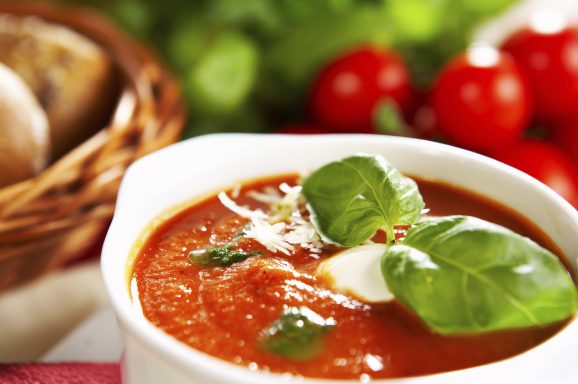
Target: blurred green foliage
246,65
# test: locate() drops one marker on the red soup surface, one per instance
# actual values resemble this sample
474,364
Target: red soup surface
223,310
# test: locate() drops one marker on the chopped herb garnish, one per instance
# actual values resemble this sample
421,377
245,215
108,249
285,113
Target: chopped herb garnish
219,257
297,334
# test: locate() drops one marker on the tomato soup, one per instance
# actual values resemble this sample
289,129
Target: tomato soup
223,310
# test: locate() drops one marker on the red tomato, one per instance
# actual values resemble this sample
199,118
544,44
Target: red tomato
481,100
545,163
565,136
551,63
346,92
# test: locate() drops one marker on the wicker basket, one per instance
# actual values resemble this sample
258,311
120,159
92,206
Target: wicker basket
60,214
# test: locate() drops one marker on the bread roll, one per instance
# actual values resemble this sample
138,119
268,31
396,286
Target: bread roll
24,132
71,76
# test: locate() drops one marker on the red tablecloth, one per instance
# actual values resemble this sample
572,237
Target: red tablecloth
64,373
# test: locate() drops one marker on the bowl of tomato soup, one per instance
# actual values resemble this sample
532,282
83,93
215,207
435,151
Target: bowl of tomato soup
213,259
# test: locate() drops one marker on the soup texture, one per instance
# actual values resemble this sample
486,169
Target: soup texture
225,310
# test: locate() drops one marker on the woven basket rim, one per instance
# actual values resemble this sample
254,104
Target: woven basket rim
79,190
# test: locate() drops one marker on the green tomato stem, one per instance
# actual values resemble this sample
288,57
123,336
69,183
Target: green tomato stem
389,232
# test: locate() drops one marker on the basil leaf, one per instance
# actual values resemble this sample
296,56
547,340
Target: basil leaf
219,257
297,334
461,274
350,199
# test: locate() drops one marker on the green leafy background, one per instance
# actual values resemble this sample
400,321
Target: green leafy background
246,65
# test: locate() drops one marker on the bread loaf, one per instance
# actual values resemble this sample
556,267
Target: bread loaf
24,132
71,76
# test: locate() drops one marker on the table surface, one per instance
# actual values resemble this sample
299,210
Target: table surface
35,317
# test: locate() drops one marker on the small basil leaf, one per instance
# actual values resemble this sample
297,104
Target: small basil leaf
349,200
297,334
461,274
219,257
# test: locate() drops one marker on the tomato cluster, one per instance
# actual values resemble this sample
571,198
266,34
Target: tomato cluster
485,99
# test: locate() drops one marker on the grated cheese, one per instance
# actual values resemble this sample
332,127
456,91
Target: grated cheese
283,227
241,211
302,232
269,195
270,235
236,190
283,209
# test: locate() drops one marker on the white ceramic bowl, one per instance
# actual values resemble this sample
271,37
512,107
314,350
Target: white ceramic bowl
210,163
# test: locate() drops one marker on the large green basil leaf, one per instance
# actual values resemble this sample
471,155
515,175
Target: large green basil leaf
351,199
461,274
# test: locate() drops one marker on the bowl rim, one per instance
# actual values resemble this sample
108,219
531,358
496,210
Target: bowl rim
186,357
